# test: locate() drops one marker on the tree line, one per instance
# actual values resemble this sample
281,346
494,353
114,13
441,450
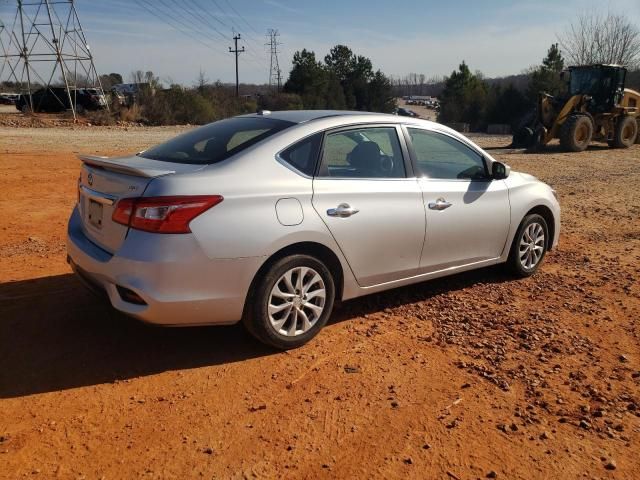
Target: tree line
343,81
346,80
592,38
467,97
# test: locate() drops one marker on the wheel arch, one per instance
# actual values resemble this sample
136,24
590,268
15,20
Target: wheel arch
546,213
314,249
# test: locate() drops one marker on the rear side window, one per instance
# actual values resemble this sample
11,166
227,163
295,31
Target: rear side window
303,155
363,153
217,141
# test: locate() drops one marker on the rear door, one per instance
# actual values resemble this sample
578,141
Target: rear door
468,213
374,212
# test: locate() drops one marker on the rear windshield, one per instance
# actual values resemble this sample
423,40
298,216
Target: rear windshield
216,141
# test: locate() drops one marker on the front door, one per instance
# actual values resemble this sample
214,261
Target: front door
374,212
468,213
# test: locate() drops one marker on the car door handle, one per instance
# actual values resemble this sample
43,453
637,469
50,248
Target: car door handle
343,210
439,204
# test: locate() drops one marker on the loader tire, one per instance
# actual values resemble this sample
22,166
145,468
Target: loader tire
576,133
626,133
638,134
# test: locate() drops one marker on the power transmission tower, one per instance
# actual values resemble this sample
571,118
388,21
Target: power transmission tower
274,66
237,53
3,50
46,40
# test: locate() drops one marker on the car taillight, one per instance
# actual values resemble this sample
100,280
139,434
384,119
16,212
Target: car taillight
163,214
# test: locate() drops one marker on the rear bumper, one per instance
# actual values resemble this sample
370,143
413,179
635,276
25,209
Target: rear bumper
170,273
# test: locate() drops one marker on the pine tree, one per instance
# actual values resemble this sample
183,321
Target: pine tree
464,98
546,77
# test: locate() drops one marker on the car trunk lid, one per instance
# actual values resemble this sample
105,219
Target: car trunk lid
103,181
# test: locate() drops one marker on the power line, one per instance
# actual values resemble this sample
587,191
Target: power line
175,11
202,21
180,22
234,25
241,17
176,14
170,23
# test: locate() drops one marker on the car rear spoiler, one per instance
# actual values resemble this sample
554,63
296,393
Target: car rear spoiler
125,165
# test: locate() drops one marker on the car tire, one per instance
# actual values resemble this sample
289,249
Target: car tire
525,256
625,133
279,312
576,133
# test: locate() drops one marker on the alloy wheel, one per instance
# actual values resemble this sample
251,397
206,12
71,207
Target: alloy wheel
531,247
296,301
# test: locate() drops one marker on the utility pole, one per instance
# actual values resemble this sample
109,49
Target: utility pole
274,67
237,53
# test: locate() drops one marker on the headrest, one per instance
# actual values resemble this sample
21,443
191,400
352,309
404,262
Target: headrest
365,155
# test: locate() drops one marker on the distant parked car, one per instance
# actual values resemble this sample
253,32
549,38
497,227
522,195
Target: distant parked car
405,112
56,99
271,217
8,98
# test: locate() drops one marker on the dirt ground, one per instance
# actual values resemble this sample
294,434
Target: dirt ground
474,376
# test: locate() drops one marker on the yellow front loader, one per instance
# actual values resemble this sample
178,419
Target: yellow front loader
598,108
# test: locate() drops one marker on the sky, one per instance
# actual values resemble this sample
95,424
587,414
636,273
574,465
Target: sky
176,39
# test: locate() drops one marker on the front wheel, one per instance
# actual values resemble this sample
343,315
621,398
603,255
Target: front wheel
291,302
576,133
529,246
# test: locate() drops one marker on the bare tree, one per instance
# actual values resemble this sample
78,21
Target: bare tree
598,38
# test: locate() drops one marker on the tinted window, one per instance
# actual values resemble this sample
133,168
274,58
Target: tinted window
363,153
216,141
303,155
443,157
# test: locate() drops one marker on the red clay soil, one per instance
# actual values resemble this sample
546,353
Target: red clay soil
474,376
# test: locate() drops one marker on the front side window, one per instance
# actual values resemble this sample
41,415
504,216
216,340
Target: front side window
439,156
216,141
364,153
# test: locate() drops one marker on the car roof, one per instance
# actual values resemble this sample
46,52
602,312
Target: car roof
302,116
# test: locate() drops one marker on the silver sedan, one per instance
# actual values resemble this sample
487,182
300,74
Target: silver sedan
271,218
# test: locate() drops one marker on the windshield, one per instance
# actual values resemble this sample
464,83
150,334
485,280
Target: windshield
585,81
216,141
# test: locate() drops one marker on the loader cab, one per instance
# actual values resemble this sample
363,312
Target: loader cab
603,83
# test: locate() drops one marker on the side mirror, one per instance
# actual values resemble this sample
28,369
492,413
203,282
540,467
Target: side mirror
500,171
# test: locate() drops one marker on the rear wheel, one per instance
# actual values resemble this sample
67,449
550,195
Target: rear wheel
291,302
576,133
529,246
625,133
